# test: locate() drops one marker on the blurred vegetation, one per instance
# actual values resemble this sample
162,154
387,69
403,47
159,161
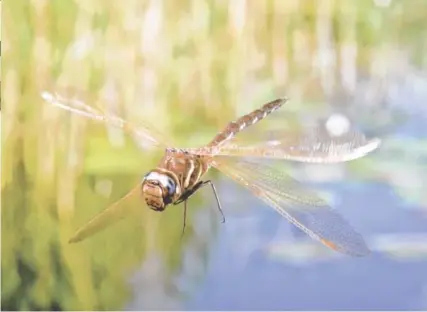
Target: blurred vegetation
190,66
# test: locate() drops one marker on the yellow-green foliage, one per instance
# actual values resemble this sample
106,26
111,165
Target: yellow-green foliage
186,66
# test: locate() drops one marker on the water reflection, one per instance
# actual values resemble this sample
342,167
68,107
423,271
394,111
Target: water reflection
299,266
171,62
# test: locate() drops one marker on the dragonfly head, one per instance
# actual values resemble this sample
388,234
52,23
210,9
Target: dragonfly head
158,189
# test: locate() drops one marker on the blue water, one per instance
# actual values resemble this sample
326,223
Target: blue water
376,282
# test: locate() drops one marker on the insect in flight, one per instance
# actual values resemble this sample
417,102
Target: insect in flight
179,173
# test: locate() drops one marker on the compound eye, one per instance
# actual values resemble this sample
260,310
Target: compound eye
145,176
170,186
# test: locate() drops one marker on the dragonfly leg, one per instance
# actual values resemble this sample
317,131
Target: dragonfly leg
216,197
188,193
199,185
185,218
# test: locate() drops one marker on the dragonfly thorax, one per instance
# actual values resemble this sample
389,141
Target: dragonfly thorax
159,189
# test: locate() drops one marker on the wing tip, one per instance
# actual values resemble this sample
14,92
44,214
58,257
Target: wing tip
372,145
362,249
47,96
74,239
361,151
283,99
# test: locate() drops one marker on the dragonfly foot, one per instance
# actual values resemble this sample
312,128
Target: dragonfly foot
185,218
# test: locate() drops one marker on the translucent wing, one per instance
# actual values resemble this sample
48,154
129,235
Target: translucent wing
313,145
111,215
145,134
290,199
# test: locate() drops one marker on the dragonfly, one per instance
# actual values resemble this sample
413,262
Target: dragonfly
180,172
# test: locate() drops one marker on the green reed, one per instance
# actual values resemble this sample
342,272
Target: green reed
188,67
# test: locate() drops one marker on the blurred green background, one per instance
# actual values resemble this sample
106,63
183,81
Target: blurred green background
188,67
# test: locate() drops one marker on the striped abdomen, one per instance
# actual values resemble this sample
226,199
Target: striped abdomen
245,121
